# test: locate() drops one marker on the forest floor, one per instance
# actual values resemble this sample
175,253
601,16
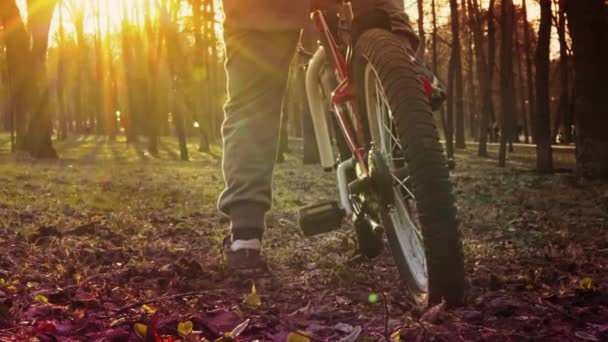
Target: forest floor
109,239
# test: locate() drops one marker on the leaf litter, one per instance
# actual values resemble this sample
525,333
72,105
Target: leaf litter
150,268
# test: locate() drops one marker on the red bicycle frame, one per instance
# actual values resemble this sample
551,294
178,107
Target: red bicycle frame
342,98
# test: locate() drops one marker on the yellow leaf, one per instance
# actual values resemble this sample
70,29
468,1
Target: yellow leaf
586,283
297,337
184,328
140,329
253,299
11,288
2,282
396,336
41,299
150,310
77,277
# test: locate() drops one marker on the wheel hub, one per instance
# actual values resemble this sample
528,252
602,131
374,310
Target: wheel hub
381,178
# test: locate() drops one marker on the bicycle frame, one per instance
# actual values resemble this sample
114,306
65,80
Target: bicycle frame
342,100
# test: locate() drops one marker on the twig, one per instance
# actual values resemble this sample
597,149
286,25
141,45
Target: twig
385,316
551,306
158,299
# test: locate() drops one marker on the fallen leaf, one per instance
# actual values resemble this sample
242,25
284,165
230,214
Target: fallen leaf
586,283
140,329
433,313
41,299
238,330
297,337
353,336
150,310
585,336
184,328
253,299
396,336
45,327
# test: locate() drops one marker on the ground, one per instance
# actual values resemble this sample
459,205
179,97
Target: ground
110,239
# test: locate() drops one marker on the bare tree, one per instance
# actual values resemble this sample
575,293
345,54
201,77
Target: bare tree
457,103
544,158
588,24
530,77
506,77
483,76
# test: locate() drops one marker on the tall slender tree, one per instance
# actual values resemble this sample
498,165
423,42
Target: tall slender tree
506,77
530,76
544,157
564,109
588,26
490,18
457,103
483,76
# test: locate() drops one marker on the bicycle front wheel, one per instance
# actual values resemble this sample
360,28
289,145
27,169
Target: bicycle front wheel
421,224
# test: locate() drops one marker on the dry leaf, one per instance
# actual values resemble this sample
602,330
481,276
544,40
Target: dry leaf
396,336
253,299
586,283
238,330
184,328
140,329
433,313
150,310
297,337
41,299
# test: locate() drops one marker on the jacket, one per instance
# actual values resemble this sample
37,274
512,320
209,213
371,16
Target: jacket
266,15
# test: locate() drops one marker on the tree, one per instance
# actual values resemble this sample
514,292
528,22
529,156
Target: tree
175,54
491,52
564,112
483,76
588,24
26,64
544,158
530,78
457,103
421,35
506,77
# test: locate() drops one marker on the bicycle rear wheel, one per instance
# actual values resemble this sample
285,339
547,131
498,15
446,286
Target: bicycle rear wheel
421,225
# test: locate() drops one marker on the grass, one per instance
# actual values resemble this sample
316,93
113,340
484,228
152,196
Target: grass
138,226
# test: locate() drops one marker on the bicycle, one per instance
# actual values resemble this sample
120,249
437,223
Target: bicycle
391,171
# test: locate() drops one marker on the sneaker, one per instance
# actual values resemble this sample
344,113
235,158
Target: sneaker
243,254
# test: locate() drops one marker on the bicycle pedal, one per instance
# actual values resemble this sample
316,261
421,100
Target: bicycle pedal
320,218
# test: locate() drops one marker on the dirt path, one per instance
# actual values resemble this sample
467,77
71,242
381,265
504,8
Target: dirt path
93,245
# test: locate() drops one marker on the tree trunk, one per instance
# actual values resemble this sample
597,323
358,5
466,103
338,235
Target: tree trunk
421,35
482,75
564,99
456,64
588,24
27,75
472,94
449,126
506,78
61,79
491,60
175,55
522,103
18,65
530,77
544,158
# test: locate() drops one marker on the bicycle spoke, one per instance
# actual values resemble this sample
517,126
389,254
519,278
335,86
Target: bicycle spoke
402,184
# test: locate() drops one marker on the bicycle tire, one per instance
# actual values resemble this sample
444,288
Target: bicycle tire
386,54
